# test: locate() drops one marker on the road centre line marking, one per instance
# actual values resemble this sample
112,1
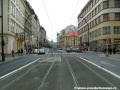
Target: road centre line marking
6,75
101,67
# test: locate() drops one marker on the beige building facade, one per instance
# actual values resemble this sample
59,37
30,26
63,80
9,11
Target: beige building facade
17,25
100,20
71,39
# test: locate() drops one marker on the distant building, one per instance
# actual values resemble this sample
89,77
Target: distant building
71,39
66,37
70,27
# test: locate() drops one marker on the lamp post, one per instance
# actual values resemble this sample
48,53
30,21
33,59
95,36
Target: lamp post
32,13
2,38
37,38
88,44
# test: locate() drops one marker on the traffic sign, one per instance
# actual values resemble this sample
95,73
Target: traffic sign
107,42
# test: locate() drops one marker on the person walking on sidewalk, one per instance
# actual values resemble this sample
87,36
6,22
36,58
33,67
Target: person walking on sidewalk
21,51
12,52
114,50
110,50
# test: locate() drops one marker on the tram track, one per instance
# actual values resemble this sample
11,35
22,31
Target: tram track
94,70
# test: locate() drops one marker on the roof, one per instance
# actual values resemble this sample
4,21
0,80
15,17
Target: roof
71,33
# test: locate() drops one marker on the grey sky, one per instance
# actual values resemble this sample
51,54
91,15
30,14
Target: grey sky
60,13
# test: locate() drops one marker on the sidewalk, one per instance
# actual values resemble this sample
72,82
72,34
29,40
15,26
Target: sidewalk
10,58
101,54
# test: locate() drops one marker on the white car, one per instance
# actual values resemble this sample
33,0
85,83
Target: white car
41,51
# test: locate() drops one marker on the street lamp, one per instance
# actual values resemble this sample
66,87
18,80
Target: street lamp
88,33
31,13
37,39
2,38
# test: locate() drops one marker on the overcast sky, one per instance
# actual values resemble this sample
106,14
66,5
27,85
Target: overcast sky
59,12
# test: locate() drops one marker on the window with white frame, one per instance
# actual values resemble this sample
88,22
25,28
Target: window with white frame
12,25
116,29
105,17
117,16
106,30
12,9
99,32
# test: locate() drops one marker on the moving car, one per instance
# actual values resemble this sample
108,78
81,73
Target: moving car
41,51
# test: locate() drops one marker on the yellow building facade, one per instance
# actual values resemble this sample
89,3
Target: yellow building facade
100,20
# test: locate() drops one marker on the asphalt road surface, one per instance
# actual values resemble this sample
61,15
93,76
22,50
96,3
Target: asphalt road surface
56,70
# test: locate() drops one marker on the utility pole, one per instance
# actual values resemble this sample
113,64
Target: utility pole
88,44
2,38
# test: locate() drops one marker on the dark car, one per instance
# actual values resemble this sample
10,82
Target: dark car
78,50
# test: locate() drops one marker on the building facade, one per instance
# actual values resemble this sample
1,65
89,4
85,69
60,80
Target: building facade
99,21
42,38
71,39
68,37
17,25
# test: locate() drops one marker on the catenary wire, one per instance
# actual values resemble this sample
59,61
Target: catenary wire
73,12
48,16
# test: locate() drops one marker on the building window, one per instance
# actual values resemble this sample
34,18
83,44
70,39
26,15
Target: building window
95,21
106,30
99,32
117,16
12,25
117,3
12,9
95,33
105,17
99,8
105,4
92,34
99,20
116,29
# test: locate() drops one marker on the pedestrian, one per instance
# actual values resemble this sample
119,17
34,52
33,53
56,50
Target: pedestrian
18,51
21,51
110,50
12,52
105,50
114,50
95,49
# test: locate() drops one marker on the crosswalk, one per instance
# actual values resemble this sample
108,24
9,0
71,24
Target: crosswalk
64,53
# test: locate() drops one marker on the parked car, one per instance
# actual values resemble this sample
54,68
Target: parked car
118,50
41,51
68,50
77,50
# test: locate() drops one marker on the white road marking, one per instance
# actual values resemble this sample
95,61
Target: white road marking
72,73
101,67
46,75
6,75
103,62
